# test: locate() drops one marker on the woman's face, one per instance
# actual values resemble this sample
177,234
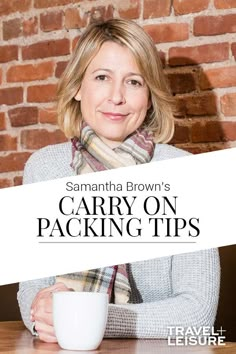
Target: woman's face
114,96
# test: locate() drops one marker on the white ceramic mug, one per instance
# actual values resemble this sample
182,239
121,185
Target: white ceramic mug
79,319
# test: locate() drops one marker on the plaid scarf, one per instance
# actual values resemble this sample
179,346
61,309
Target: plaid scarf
90,152
110,280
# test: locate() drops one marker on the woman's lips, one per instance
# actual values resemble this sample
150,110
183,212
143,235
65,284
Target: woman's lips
115,116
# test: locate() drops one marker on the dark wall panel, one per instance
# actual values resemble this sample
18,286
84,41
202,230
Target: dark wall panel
9,310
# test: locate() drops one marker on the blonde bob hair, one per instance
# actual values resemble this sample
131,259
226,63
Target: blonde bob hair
159,117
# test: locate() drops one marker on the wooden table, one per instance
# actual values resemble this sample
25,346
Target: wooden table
15,339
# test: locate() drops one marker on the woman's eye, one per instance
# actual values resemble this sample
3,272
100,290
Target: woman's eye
134,82
101,77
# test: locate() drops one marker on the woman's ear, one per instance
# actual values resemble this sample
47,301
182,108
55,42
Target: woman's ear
77,97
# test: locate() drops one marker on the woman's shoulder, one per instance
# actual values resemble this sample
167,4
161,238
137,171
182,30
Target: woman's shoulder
50,162
165,152
51,151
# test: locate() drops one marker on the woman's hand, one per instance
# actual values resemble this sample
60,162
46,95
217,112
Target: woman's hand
41,312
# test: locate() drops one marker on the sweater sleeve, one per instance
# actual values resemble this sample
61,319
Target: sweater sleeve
193,302
29,289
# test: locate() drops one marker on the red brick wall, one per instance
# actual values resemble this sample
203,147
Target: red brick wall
196,39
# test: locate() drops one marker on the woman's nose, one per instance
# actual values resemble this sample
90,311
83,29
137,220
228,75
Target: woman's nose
117,94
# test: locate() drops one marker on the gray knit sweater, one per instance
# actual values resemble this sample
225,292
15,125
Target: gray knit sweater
180,290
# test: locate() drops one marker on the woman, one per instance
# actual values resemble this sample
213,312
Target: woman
114,103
